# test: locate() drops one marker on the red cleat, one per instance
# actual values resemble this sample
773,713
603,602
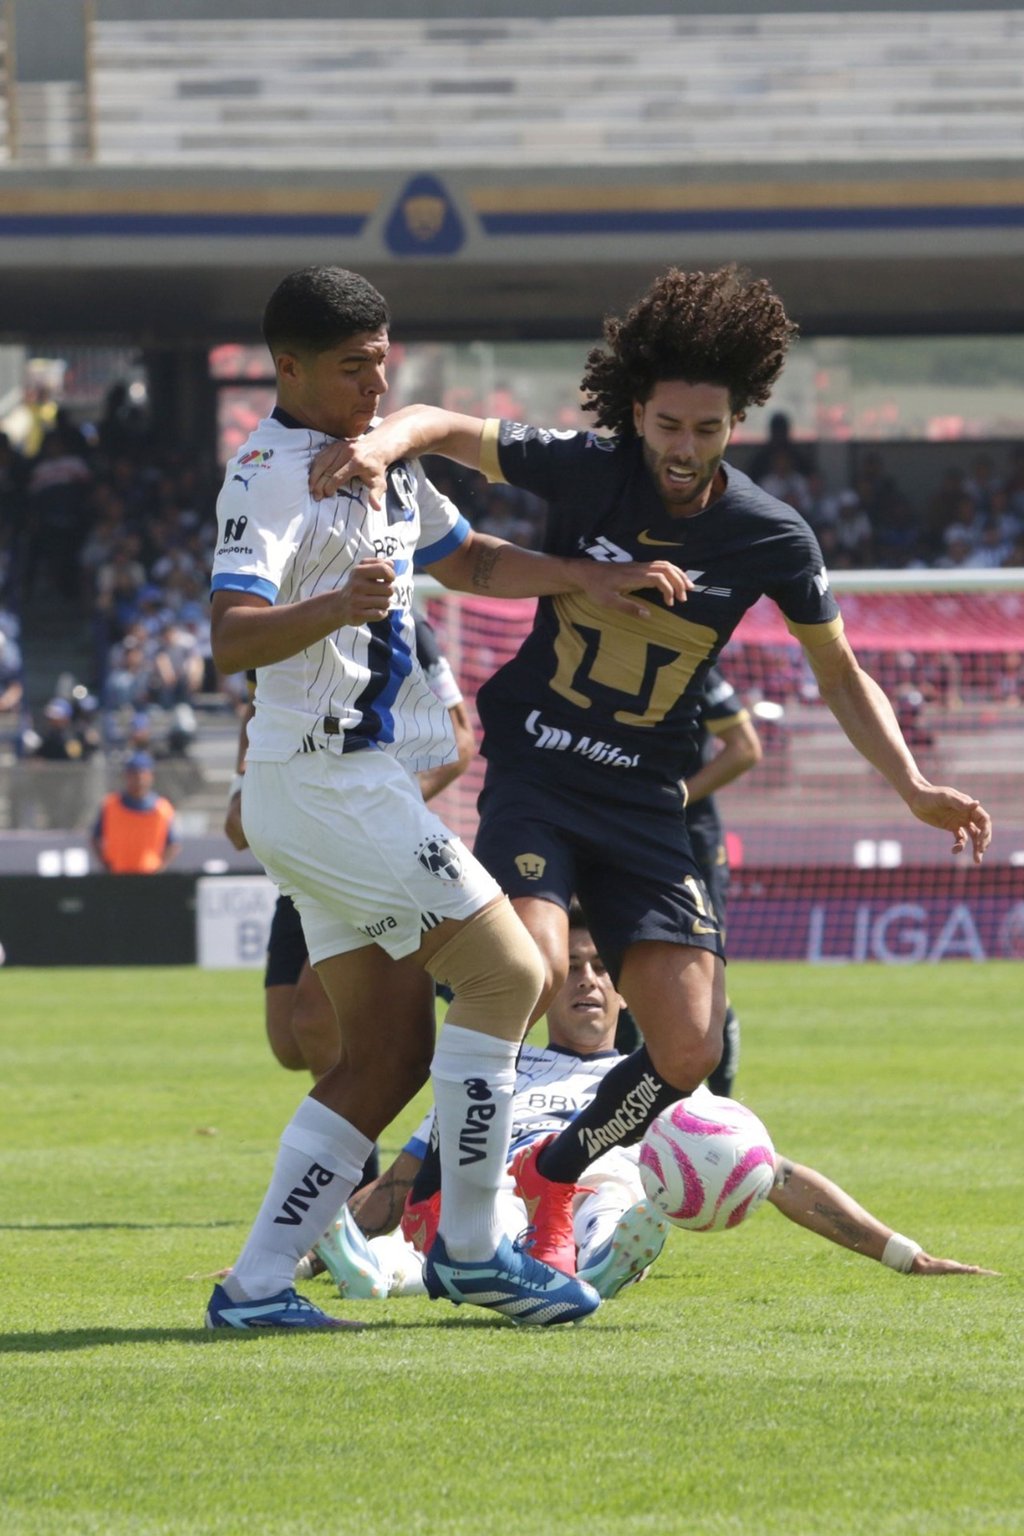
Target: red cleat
549,1237
419,1221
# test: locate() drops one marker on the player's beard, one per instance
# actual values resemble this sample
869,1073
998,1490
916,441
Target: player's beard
680,501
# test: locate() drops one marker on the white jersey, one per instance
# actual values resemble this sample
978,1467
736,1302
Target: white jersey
552,1086
279,543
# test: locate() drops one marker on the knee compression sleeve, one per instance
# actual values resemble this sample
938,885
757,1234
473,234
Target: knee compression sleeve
495,971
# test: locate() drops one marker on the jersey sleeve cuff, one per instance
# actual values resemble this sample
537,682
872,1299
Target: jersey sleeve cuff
490,464
455,536
228,581
813,635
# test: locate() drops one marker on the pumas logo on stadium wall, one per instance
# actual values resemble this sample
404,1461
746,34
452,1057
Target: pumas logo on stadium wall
441,858
424,221
252,463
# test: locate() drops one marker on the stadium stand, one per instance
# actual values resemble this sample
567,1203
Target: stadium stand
941,86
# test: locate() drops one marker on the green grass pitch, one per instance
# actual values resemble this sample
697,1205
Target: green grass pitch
760,1381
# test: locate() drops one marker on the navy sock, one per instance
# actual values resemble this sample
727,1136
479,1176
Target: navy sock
428,1179
721,1080
629,1098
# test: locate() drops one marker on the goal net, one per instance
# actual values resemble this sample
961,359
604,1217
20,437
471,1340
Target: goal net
827,864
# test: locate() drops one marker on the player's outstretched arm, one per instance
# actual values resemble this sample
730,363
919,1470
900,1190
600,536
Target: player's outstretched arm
867,717
405,434
814,1202
493,568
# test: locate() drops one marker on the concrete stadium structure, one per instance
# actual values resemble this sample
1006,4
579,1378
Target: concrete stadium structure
163,165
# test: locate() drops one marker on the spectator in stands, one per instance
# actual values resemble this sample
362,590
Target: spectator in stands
177,665
12,685
991,548
128,681
58,511
965,527
119,583
982,483
779,438
134,833
941,510
60,740
784,479
853,531
1015,553
124,426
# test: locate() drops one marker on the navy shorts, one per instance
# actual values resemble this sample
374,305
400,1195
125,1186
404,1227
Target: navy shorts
631,867
286,946
709,851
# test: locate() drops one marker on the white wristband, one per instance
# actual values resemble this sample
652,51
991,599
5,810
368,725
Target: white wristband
900,1252
236,785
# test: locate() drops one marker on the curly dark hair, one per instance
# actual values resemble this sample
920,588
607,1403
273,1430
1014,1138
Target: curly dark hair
721,327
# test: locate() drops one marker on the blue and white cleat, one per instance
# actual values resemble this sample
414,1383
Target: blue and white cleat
625,1256
351,1262
512,1283
285,1310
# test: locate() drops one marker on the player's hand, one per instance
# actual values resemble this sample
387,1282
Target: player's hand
233,829
949,809
341,464
610,583
364,597
924,1264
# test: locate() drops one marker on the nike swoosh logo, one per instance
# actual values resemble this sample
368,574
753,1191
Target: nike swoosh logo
645,538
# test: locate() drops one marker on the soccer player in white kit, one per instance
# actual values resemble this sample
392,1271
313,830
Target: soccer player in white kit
316,595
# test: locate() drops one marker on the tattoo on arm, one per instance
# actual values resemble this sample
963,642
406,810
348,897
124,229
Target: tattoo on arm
851,1230
483,566
388,1203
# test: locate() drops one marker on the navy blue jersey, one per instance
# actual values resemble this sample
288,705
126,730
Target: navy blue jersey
612,701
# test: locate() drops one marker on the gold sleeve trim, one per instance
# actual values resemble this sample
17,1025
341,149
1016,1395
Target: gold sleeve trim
489,462
813,635
726,722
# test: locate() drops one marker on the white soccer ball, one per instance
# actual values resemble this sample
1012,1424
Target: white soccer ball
706,1163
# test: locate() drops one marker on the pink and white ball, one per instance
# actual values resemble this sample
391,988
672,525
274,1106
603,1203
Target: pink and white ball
706,1163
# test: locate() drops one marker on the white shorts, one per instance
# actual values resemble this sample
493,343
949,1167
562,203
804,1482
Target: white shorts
348,837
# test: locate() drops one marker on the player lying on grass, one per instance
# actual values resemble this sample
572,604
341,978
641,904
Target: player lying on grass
610,1232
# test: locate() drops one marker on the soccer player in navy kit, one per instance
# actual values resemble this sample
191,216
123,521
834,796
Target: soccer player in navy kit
586,727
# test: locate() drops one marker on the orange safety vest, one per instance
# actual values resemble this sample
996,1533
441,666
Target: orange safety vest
134,842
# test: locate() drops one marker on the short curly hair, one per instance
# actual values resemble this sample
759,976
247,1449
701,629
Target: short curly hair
722,327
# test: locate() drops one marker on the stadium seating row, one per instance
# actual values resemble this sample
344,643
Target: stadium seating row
829,86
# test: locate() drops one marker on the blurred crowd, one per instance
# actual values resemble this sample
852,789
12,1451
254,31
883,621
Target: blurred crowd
107,526
111,525
973,521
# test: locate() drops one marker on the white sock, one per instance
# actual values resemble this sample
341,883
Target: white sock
474,1079
319,1163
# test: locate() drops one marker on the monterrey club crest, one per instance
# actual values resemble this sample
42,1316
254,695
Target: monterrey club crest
441,858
